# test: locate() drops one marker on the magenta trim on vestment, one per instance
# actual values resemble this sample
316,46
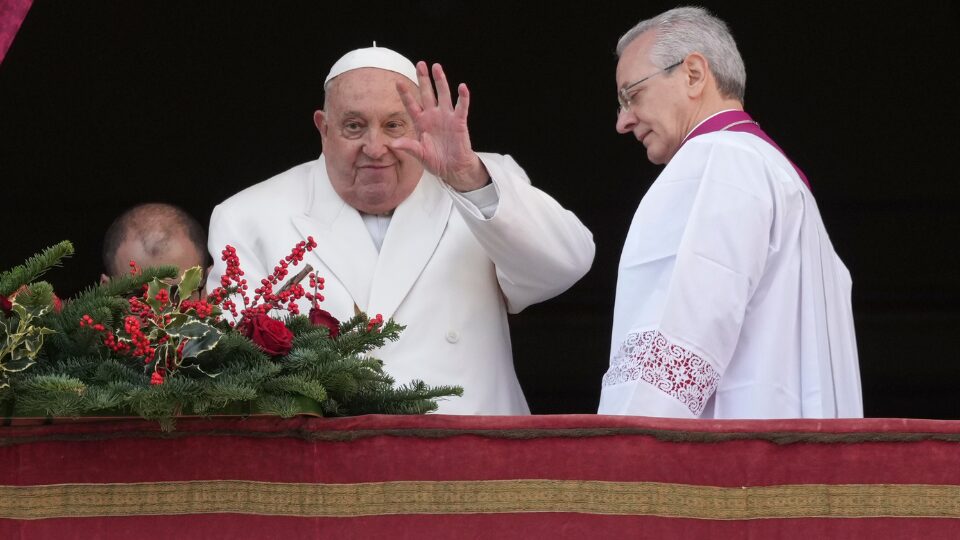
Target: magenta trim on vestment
723,120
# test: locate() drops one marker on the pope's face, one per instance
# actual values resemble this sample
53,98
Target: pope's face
657,114
362,115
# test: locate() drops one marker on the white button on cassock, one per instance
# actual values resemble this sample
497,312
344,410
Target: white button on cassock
453,336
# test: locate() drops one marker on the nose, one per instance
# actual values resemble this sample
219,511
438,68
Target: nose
376,145
626,120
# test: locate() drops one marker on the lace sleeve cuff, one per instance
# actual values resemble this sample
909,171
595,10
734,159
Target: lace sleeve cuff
678,372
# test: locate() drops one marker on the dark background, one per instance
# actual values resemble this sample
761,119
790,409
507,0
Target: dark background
107,104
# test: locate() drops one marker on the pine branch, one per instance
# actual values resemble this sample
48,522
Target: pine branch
234,348
163,402
34,267
36,295
298,324
415,398
49,395
359,341
126,285
293,384
72,340
282,405
314,338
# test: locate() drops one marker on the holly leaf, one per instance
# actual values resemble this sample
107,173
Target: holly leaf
189,282
158,356
177,320
20,359
200,345
192,329
155,287
200,369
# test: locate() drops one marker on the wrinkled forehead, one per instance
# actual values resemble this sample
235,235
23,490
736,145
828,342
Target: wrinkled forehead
366,90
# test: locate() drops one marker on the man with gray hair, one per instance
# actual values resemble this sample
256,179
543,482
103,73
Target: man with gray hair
731,302
411,223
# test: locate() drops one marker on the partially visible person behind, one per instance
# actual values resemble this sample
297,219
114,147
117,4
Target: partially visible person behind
731,302
153,234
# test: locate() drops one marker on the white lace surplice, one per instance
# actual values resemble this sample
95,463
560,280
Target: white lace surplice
731,302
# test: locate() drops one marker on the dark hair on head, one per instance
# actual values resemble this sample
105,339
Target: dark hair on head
154,224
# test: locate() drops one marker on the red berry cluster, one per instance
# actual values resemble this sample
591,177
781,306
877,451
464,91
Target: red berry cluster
233,275
141,343
265,299
162,296
202,307
109,340
375,323
135,268
88,321
139,308
316,283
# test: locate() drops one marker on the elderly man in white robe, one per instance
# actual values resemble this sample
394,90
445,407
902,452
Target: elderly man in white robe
731,302
411,223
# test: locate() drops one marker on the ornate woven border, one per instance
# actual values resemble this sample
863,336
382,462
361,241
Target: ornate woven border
471,497
776,437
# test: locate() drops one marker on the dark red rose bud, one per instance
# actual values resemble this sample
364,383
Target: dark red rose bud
6,305
269,334
319,317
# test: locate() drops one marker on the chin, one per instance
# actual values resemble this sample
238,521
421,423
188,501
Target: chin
656,158
377,203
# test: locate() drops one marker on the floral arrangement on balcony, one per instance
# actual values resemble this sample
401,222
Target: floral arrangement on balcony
138,345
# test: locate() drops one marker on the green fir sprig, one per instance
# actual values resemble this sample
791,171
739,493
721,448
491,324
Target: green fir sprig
34,267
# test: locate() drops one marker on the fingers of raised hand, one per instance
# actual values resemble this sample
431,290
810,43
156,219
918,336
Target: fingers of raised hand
405,89
427,97
443,88
463,100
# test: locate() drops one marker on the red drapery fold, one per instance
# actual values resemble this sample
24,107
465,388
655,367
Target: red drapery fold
12,13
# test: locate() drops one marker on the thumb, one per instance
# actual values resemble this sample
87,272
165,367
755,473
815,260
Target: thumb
408,145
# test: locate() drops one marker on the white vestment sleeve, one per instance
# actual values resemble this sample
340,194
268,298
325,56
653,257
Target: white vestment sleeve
485,199
223,232
680,356
539,248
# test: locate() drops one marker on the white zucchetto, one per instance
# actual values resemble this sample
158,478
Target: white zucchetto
374,57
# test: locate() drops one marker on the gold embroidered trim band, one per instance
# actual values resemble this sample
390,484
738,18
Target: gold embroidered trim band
471,497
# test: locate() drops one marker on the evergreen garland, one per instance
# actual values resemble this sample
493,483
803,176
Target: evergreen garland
76,374
34,267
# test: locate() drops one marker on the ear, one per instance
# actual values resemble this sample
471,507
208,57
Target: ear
320,120
698,72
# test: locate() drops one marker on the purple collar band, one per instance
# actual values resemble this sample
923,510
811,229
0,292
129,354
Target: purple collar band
739,121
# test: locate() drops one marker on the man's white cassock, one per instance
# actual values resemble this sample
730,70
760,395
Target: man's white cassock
731,302
444,271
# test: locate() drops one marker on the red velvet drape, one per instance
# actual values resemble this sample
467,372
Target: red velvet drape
12,13
471,477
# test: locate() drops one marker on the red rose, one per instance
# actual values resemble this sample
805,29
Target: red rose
319,317
7,305
270,335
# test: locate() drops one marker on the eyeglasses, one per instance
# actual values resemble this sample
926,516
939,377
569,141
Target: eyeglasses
625,96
